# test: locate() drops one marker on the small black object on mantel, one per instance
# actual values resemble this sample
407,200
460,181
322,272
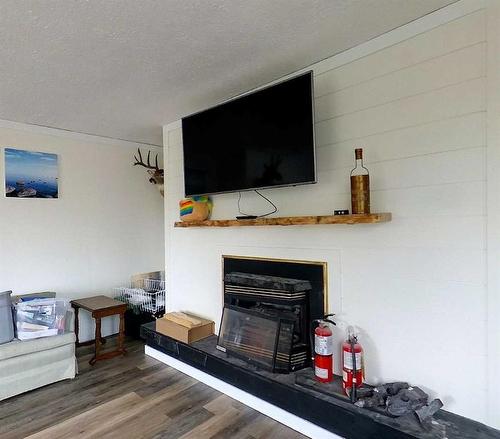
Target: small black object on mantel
341,212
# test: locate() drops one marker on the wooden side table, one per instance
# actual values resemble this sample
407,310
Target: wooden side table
99,307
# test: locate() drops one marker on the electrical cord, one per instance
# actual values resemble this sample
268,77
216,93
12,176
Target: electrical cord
265,198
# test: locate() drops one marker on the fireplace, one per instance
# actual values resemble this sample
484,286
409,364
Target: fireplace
318,408
268,308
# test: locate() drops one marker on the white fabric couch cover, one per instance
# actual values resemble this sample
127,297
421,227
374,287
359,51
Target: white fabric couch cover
27,365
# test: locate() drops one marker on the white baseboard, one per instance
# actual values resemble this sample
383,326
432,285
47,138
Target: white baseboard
298,424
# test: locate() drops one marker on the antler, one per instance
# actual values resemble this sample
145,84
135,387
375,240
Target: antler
139,161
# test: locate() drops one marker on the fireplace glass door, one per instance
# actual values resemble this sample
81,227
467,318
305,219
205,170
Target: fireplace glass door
263,340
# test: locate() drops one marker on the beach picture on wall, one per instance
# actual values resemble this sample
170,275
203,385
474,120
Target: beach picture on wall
30,174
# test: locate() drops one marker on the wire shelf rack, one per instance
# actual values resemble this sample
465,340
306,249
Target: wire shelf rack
147,295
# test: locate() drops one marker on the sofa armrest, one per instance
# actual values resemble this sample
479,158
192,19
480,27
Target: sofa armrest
70,320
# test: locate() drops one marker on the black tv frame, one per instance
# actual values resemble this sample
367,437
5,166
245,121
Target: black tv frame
250,92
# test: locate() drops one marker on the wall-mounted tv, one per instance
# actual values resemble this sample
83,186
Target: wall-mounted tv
261,140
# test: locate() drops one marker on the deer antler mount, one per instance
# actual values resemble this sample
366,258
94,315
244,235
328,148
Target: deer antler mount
154,171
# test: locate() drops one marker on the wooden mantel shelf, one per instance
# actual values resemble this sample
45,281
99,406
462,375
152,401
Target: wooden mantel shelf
292,221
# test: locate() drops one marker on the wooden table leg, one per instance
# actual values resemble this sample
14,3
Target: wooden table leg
77,326
121,335
97,340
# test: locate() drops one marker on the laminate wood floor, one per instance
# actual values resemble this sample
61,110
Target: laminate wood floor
132,397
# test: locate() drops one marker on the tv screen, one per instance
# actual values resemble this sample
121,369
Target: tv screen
261,140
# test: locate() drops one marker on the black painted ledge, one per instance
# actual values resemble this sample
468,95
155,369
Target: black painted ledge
331,413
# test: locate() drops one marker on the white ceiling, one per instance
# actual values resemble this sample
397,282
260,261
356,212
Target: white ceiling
123,68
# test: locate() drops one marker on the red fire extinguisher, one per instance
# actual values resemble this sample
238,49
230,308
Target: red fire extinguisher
323,349
353,368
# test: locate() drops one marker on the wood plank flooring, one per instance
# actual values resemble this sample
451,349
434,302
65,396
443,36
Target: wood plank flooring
132,397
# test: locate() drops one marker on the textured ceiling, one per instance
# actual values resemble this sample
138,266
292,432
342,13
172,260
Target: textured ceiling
123,68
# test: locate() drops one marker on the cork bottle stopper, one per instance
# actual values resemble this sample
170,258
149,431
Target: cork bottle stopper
359,153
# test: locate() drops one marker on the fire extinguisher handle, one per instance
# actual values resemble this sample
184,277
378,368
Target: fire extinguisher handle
326,319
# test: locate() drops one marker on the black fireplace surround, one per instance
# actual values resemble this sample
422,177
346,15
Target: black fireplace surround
268,308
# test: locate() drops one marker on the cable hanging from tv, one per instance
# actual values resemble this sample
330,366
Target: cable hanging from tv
244,215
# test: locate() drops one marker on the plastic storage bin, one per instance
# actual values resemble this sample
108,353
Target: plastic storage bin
6,324
40,318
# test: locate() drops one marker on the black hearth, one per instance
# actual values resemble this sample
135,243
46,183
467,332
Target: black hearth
334,413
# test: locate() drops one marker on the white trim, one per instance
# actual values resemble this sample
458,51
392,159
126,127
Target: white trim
90,138
171,126
301,425
167,214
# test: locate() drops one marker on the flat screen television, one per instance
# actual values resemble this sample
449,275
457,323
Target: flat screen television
261,140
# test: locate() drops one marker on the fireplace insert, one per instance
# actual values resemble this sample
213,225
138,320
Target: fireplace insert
256,337
266,320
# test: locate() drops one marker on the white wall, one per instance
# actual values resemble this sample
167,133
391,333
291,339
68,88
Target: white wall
415,100
106,225
493,211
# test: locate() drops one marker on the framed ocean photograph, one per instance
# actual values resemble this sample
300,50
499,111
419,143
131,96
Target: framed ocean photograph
30,174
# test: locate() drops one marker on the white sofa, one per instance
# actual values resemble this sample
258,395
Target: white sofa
27,365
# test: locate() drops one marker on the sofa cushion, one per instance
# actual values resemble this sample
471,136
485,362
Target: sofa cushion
28,372
16,348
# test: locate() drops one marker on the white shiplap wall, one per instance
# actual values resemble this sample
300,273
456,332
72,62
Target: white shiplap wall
415,286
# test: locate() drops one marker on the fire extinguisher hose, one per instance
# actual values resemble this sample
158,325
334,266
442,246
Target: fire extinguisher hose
352,341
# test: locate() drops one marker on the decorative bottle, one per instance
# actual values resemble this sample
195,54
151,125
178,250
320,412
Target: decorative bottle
360,186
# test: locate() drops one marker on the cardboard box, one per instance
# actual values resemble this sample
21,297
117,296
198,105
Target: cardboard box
183,333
